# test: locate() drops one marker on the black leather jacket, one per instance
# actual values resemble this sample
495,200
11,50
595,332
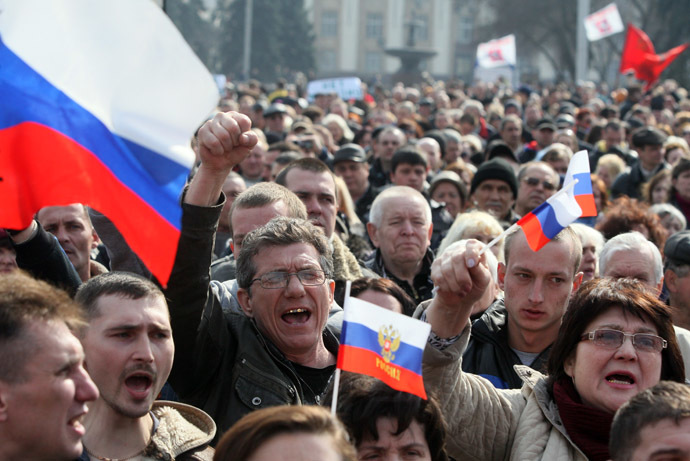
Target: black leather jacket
223,364
488,353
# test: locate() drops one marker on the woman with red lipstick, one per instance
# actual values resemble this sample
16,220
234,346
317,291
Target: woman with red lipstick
616,339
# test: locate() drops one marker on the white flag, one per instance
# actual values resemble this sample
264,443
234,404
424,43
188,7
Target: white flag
607,21
497,53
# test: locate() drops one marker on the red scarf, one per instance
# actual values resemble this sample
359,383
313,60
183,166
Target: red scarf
587,427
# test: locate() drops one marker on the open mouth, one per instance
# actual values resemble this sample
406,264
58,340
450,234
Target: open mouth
76,423
296,316
139,384
620,378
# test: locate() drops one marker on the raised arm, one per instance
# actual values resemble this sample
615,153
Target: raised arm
223,142
39,253
461,277
481,419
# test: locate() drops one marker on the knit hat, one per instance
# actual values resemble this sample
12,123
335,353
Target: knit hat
495,169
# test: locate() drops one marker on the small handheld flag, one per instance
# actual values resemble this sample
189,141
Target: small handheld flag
561,209
99,103
574,200
383,344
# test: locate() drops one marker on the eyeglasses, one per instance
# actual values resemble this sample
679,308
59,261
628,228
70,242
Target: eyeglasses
534,182
613,339
280,279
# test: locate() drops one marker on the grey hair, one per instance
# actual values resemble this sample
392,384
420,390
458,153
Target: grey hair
376,212
589,234
664,209
338,120
452,135
280,232
630,241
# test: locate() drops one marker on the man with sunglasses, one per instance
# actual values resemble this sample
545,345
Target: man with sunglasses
631,255
537,181
278,350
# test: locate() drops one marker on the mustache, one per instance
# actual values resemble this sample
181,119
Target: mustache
145,367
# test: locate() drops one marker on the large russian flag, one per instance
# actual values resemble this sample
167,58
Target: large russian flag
383,344
99,103
573,201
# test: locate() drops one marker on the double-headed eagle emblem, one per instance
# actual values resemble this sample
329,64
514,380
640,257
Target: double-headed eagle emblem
389,340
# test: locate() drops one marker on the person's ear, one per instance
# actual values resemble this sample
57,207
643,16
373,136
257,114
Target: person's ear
4,391
671,281
577,281
501,273
660,286
569,366
373,234
331,294
96,239
245,300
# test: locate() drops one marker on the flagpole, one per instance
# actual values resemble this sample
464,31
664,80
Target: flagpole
336,383
582,51
564,189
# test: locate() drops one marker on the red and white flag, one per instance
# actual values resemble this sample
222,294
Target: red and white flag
497,53
603,23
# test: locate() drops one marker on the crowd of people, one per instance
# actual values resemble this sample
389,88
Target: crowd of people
580,351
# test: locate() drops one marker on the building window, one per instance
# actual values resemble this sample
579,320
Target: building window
374,26
465,30
329,24
326,60
372,62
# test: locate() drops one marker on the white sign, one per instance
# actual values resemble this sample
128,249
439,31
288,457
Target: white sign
346,88
497,53
607,21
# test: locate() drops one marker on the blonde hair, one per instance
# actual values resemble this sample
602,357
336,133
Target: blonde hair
613,163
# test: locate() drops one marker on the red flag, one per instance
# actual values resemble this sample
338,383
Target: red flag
639,56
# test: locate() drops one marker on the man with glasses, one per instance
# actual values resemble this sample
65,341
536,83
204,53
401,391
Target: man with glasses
278,350
537,181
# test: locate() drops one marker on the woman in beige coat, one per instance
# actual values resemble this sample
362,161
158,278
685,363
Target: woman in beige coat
616,339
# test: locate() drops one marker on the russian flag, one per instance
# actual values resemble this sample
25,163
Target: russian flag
573,201
579,169
99,102
383,344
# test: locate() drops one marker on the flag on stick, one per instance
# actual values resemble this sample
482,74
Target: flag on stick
640,57
497,53
99,102
573,201
383,344
603,23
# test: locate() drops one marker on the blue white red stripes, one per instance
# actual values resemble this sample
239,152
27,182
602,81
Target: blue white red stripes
561,209
100,100
383,344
